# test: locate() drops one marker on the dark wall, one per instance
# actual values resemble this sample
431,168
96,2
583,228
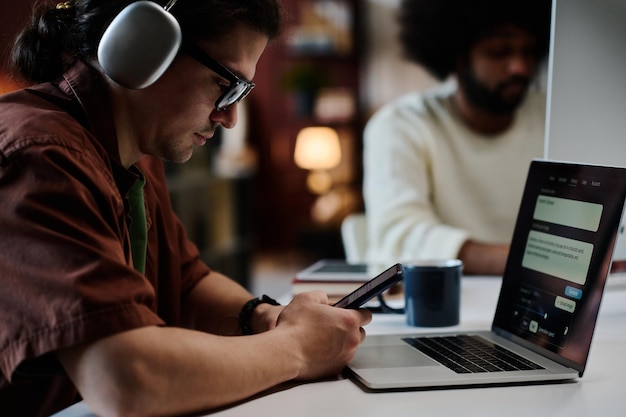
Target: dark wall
14,15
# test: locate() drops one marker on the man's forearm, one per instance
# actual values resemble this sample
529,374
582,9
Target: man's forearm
173,371
214,304
483,259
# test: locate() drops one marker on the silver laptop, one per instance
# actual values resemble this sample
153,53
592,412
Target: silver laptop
549,300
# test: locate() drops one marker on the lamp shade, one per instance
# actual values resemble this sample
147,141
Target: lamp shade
317,148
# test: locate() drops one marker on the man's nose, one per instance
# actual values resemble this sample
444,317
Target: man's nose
227,118
521,65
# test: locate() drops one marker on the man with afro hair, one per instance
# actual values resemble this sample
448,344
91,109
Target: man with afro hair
444,169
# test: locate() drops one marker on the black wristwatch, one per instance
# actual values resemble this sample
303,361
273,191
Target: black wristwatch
245,317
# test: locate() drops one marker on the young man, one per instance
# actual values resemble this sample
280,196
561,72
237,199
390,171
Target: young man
444,170
132,324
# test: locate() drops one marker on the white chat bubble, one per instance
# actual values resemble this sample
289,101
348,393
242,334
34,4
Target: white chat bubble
572,213
565,304
558,256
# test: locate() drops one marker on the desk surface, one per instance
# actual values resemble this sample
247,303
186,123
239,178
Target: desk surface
599,392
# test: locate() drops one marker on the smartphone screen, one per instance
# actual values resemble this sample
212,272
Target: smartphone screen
371,288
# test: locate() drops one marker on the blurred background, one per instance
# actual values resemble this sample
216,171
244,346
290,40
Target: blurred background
257,210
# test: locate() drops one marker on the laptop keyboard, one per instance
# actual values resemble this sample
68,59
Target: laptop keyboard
470,354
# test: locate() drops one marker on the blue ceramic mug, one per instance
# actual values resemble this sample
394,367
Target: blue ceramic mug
432,293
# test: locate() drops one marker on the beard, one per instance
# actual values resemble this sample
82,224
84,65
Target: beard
177,149
492,100
171,150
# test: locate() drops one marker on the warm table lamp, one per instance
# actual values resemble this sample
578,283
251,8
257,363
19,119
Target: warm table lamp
318,149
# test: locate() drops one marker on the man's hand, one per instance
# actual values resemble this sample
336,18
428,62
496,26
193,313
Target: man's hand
327,336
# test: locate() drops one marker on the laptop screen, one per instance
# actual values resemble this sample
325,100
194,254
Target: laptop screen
560,256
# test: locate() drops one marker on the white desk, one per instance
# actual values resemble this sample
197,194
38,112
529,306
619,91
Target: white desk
600,392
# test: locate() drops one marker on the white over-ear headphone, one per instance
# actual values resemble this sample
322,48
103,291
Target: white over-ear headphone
140,44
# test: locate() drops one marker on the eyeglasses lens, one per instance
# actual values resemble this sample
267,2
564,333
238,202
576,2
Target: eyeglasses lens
236,93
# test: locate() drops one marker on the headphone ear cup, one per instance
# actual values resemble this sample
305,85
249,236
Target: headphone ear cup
139,45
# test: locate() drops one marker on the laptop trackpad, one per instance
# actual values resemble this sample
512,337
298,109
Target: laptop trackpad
386,356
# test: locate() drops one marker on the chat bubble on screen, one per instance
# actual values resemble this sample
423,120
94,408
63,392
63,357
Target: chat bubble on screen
572,213
558,256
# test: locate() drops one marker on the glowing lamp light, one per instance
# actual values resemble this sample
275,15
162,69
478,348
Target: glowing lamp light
318,149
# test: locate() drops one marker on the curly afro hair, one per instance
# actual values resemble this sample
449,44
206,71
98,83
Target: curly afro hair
435,33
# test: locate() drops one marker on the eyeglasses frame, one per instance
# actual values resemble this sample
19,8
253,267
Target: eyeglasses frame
214,65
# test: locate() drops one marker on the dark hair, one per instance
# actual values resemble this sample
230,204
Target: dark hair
435,33
56,37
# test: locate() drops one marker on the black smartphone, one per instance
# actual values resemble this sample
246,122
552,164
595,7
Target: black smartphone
371,288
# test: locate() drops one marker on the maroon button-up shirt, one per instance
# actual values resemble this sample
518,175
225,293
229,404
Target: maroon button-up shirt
66,273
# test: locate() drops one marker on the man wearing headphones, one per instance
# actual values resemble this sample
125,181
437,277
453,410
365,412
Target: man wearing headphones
102,295
444,170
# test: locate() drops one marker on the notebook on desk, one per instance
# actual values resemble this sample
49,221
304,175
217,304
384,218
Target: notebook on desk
549,300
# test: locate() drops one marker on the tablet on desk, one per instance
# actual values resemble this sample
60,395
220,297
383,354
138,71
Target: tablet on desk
336,269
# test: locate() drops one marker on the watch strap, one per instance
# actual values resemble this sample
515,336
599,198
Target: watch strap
245,316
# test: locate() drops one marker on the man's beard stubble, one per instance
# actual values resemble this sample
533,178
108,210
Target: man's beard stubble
489,100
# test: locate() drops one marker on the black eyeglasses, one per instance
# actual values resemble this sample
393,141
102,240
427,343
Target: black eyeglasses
238,88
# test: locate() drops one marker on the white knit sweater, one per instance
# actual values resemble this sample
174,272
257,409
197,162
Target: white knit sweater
431,183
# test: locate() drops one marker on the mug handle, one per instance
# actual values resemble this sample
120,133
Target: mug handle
386,308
